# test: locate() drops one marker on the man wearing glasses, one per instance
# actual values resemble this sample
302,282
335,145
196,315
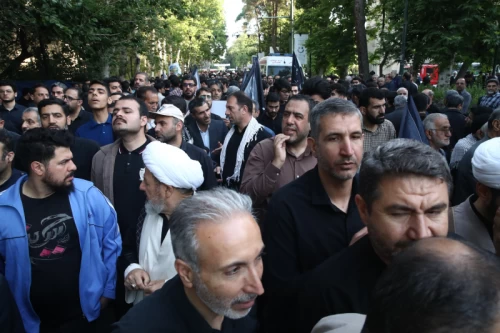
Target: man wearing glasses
57,90
188,86
10,111
438,131
74,98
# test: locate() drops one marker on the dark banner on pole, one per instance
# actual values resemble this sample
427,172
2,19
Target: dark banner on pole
252,85
297,72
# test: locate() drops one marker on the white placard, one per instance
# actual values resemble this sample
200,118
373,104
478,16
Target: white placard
300,47
219,108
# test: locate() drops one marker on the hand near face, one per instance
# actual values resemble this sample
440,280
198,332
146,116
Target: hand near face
496,232
280,150
137,279
153,286
357,236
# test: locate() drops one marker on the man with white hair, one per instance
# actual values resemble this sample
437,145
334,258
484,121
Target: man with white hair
402,92
169,177
473,218
438,131
400,107
218,257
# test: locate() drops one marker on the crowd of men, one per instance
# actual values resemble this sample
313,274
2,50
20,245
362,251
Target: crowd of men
131,207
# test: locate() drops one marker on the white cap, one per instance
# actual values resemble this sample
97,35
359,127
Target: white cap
486,163
169,110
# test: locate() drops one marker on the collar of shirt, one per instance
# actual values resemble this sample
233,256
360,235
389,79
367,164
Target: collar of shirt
94,123
378,130
15,108
306,153
201,130
320,197
138,151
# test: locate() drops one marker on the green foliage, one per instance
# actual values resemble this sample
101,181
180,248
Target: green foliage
240,53
64,38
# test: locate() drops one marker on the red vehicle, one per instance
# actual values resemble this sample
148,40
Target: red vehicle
432,71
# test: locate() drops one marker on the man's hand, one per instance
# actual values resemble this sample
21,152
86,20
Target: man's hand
496,231
137,279
280,150
217,150
357,236
219,176
153,286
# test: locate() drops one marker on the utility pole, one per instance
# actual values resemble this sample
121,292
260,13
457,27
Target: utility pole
403,42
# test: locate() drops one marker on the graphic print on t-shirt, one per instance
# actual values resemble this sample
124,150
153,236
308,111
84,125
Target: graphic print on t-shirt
49,241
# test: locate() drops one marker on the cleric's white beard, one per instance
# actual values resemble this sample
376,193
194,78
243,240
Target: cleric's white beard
154,207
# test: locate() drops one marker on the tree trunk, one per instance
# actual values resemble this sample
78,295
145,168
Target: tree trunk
361,44
383,62
274,25
465,66
13,67
137,62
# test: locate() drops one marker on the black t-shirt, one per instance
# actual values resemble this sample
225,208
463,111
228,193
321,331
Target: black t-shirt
55,256
129,200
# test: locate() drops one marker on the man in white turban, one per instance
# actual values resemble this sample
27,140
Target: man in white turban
169,177
473,219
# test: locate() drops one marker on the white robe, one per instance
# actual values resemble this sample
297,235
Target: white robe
155,257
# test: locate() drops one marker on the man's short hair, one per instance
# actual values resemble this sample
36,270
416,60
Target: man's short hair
495,115
143,108
214,206
197,103
58,84
174,80
243,100
272,97
33,109
400,101
303,98
38,85
145,75
453,100
317,86
478,122
430,120
159,85
142,91
189,78
421,101
332,106
46,102
39,144
113,79
79,92
199,91
102,83
282,84
9,83
477,110
366,94
177,101
427,291
400,158
8,143
339,89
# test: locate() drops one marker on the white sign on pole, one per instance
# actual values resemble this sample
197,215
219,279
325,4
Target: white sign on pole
300,47
219,108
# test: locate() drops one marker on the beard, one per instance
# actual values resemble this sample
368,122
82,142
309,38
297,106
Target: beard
385,250
221,305
9,101
59,186
375,120
154,207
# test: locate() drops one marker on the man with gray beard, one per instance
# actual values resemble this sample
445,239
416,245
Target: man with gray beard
169,177
218,250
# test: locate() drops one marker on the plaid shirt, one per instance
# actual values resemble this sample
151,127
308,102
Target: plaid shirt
382,134
491,101
460,149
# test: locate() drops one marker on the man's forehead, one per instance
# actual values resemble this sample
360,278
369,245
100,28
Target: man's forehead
140,77
97,86
126,104
38,89
53,108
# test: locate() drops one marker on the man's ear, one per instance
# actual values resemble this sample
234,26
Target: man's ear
10,157
185,273
362,208
311,142
38,168
68,120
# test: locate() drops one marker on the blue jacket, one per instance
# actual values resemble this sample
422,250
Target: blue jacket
100,242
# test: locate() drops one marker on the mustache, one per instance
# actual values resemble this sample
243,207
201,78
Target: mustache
121,119
347,160
245,298
72,174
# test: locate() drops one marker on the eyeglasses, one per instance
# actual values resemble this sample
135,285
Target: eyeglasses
205,96
190,85
444,130
71,99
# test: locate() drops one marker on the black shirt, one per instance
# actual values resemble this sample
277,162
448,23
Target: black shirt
198,154
83,152
169,311
55,255
129,199
83,117
13,118
16,174
301,231
274,124
231,154
342,284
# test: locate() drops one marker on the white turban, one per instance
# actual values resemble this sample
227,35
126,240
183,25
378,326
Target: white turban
172,166
486,163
